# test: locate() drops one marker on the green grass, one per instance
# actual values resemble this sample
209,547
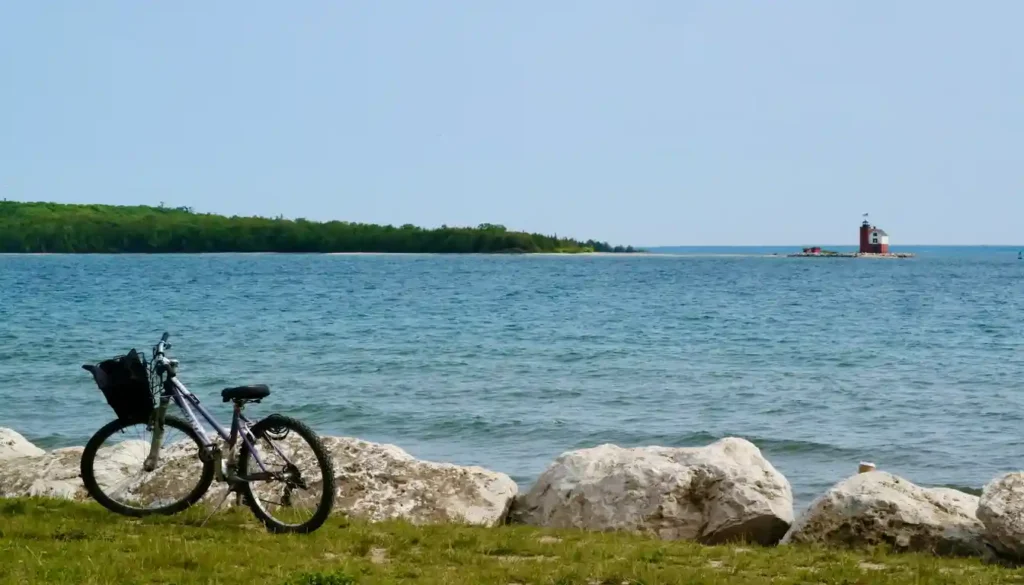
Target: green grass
57,542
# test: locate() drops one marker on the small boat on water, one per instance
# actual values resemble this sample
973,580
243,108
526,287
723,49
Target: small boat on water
1020,255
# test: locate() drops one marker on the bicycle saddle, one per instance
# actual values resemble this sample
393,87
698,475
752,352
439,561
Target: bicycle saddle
254,392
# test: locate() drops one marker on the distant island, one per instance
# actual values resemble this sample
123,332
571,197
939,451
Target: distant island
63,228
874,243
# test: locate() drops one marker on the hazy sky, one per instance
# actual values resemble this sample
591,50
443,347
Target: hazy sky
649,123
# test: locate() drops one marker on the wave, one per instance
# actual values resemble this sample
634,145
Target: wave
792,446
558,433
631,438
769,446
965,489
59,440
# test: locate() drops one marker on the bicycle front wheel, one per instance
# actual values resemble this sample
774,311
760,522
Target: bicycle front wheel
114,474
293,491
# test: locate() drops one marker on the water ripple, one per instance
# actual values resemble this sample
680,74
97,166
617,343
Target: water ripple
508,362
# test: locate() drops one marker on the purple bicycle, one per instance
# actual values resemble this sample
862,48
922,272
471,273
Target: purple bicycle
148,462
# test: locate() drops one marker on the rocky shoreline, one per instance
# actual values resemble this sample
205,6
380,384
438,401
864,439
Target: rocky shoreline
894,255
723,492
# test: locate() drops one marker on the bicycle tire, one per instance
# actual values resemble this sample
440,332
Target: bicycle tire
324,461
97,493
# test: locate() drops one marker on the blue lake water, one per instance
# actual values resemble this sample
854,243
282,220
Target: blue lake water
507,361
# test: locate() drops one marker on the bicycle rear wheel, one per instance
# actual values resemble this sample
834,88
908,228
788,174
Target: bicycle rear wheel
296,492
113,472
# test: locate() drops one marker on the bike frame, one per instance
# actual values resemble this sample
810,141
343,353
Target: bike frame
189,404
187,401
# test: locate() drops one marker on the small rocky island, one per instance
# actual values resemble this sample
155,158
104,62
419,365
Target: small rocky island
874,243
811,253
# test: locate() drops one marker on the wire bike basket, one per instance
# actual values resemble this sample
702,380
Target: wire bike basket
126,384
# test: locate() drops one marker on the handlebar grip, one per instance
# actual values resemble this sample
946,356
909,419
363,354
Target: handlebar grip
165,337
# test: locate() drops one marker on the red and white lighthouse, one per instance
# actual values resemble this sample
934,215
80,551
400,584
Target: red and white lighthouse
873,240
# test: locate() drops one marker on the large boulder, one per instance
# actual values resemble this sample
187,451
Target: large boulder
382,482
14,445
57,473
120,467
374,482
54,474
879,508
1001,510
724,491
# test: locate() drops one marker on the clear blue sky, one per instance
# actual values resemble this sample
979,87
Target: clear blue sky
648,123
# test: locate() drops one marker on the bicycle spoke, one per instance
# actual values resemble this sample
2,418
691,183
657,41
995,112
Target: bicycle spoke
120,473
117,488
292,462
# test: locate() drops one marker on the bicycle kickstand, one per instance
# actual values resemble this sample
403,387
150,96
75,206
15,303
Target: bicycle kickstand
227,494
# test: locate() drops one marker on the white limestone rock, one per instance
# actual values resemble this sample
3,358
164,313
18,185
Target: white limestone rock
53,474
879,508
721,492
12,445
1001,510
375,482
382,482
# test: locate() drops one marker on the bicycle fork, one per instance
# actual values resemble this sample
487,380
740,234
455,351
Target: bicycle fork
158,437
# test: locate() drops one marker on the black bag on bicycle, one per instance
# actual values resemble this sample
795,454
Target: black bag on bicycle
124,381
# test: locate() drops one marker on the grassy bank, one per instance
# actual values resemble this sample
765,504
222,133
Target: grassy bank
50,541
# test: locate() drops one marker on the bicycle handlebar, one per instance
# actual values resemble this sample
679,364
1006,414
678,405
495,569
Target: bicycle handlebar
158,351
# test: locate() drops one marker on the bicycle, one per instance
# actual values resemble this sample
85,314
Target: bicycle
131,386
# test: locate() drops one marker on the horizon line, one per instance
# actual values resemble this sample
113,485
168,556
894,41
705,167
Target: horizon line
705,246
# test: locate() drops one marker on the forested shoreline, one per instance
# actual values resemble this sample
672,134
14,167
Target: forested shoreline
72,228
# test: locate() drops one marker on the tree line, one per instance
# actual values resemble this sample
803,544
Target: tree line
64,228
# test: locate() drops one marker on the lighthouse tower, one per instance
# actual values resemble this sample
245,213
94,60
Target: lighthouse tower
873,240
